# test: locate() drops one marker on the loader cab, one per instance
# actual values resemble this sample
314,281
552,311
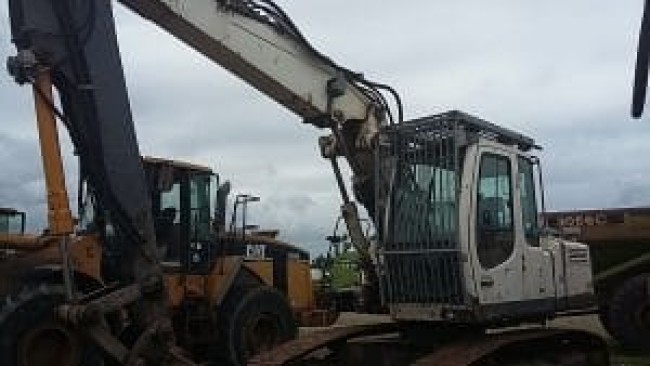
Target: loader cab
181,196
459,237
12,221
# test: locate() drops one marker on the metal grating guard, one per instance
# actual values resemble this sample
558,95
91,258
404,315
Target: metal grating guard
417,208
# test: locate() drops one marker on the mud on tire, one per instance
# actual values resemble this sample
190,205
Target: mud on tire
30,335
252,320
629,313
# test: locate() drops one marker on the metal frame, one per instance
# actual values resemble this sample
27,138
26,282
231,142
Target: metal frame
474,126
419,247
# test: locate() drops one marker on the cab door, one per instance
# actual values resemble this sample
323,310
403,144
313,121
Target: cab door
497,260
538,270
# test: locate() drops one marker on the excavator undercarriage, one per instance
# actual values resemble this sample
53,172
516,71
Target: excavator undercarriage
411,344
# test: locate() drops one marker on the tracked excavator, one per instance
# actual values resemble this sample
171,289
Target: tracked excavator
458,257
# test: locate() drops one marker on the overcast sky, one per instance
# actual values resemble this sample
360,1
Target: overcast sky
560,71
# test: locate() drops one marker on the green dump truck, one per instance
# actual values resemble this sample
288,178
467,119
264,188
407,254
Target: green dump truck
619,241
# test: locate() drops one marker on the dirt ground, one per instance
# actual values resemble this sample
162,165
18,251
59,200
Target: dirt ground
590,323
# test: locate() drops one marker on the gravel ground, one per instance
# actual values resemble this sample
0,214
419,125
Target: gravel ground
586,322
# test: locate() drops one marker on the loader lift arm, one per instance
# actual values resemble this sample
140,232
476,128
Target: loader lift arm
74,44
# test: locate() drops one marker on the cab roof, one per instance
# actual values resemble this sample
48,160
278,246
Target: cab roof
177,164
9,211
451,122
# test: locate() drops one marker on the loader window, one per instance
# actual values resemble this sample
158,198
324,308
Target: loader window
200,208
528,201
168,220
170,203
11,223
495,234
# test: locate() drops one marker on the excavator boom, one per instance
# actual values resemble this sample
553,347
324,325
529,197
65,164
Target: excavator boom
259,43
234,36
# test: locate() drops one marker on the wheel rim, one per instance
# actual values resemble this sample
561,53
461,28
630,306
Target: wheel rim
262,334
49,344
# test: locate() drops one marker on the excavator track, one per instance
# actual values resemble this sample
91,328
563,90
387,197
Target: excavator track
381,344
523,347
294,350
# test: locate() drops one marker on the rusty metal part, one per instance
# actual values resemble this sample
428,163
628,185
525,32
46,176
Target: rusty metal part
296,349
118,299
143,344
66,267
317,317
90,319
473,351
108,343
78,314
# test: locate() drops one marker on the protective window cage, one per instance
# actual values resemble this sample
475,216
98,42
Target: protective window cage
417,205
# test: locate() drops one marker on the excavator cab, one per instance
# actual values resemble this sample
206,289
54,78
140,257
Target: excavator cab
459,239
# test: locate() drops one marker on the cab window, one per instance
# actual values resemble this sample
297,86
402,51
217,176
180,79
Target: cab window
494,221
168,222
528,201
200,208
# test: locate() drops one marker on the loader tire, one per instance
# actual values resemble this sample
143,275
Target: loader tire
629,313
30,335
253,320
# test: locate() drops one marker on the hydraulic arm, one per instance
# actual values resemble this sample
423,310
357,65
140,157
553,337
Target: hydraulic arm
258,42
74,44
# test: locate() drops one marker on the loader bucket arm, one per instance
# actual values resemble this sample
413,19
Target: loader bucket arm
75,42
